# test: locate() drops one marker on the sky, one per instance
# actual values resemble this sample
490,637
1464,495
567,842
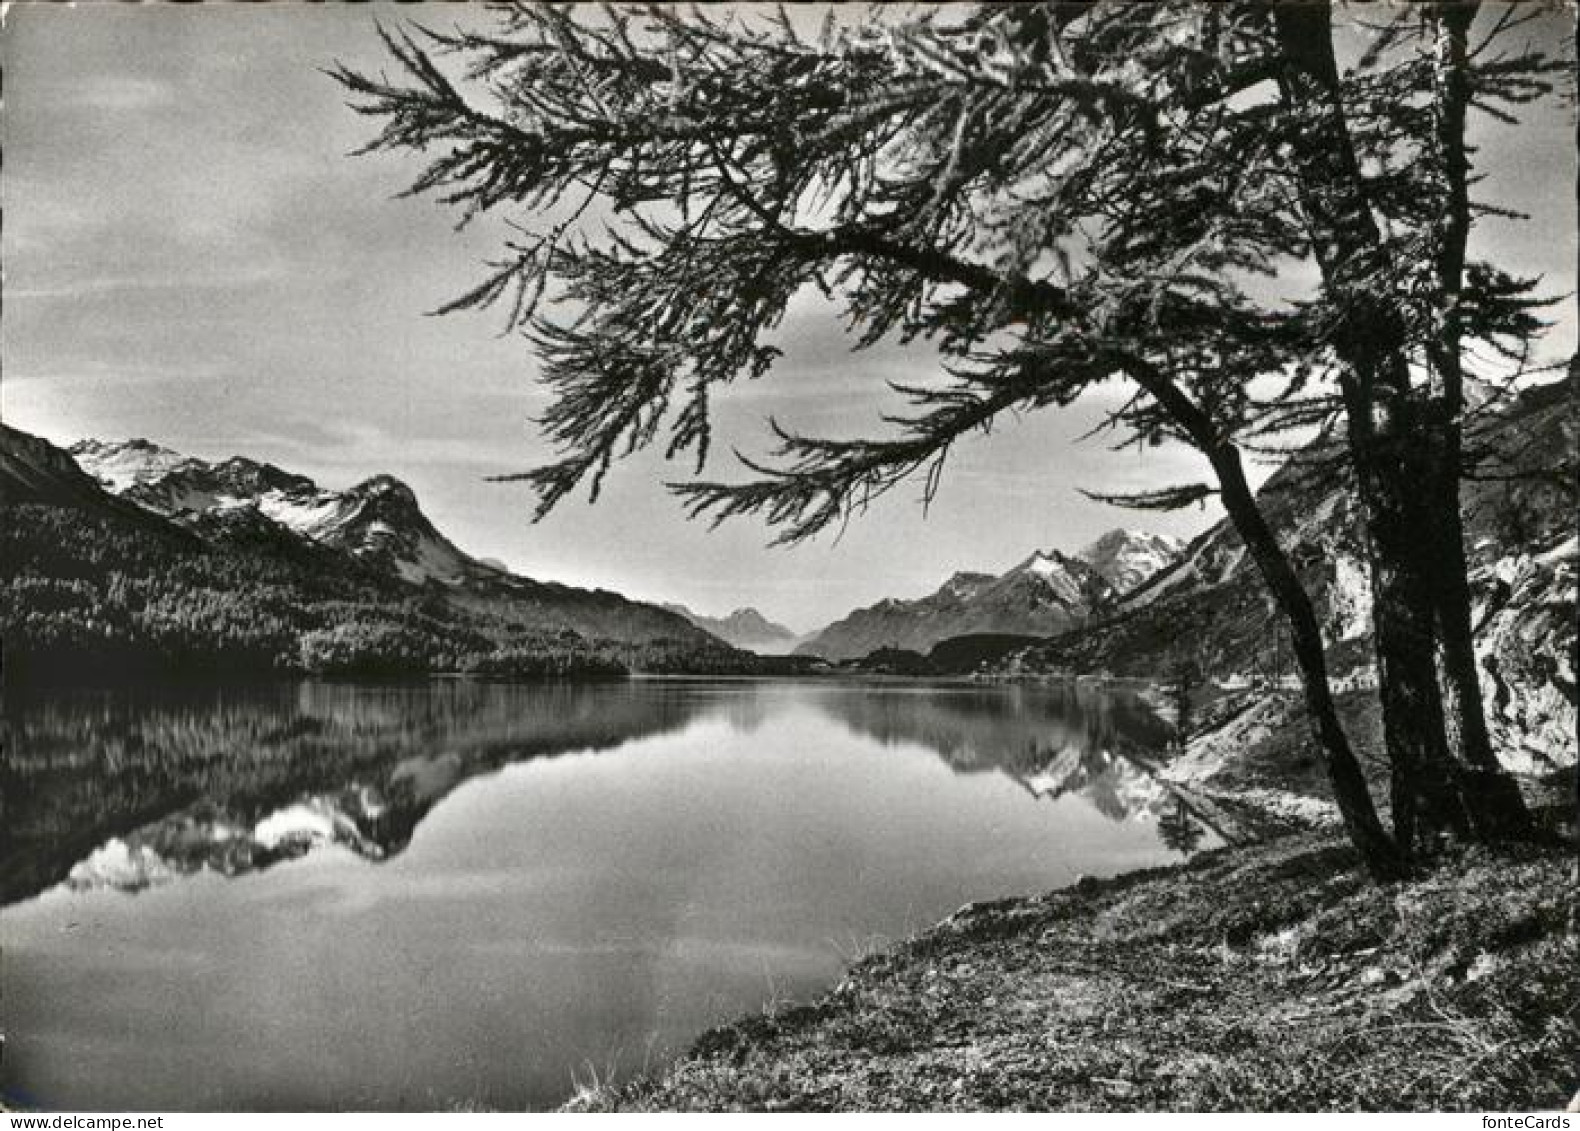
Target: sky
191,255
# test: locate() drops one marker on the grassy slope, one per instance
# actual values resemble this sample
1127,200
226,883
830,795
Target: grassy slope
1265,978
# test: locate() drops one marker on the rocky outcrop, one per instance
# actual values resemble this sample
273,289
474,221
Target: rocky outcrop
1525,612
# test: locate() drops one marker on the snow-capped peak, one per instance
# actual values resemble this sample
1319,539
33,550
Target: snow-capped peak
120,464
1043,564
378,521
1127,558
1052,574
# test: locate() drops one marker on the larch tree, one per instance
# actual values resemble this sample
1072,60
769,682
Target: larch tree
1053,196
1382,170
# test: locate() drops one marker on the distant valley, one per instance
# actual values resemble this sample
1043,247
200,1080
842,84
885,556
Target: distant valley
744,628
128,557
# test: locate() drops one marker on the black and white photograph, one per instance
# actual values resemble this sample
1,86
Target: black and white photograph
930,557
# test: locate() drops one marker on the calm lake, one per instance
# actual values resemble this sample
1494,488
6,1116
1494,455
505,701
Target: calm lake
328,896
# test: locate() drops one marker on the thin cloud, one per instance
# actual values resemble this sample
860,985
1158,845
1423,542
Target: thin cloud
121,94
242,277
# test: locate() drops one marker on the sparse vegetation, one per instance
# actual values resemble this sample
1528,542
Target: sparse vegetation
1273,978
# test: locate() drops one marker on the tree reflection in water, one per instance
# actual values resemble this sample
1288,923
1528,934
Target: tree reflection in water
130,787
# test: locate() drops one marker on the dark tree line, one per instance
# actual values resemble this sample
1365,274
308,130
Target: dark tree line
86,597
1053,196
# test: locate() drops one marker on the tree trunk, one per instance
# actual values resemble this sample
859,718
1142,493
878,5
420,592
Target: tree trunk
1380,853
1497,811
1500,811
1389,447
1468,737
1428,794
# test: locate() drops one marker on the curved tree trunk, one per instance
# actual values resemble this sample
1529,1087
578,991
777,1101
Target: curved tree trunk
1380,852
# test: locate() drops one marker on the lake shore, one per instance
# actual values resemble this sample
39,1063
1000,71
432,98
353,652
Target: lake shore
1268,977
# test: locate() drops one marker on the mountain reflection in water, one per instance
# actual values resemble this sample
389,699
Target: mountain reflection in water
129,788
493,885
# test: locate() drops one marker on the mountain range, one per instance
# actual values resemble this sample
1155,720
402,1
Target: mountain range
126,557
377,529
35,472
744,628
378,523
1047,593
130,557
1210,610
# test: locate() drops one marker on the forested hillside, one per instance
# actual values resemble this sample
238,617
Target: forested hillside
89,597
93,587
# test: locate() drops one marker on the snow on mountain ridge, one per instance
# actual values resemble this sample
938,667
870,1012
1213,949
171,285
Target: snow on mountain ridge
1126,559
1063,577
121,464
1045,593
1040,563
965,584
378,521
